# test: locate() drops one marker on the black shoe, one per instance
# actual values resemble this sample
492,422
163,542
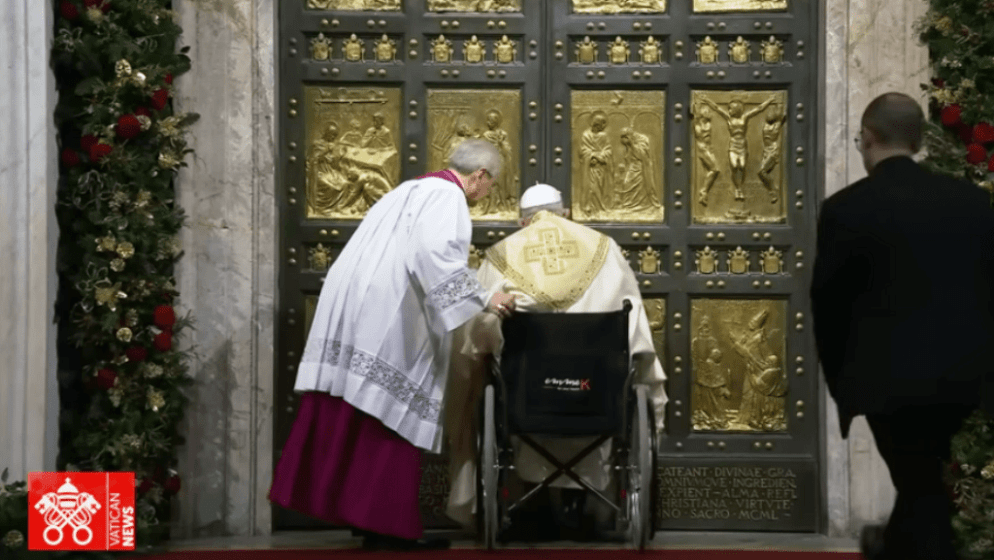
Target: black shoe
871,543
386,542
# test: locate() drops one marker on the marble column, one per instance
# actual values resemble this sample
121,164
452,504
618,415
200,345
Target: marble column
228,278
29,403
869,48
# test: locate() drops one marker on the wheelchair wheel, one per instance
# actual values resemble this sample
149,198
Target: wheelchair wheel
640,472
488,465
654,485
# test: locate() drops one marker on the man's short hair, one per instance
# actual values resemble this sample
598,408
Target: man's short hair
557,207
896,120
474,154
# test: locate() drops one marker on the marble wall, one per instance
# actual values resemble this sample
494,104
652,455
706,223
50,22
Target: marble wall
28,172
228,278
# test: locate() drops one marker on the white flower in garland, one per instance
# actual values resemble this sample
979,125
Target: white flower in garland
115,394
155,399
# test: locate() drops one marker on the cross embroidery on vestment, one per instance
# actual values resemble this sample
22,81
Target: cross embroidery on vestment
551,251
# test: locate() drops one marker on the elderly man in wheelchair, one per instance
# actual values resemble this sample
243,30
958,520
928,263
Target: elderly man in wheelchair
568,395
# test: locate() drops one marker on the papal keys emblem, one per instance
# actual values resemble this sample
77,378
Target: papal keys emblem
71,507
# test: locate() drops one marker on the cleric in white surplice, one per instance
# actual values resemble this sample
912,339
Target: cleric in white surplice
595,278
374,369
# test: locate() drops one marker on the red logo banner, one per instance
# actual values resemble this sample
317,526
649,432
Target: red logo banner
81,511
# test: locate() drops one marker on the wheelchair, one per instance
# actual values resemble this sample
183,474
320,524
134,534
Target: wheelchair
567,375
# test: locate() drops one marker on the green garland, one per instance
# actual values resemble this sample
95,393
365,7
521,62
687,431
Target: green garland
958,141
121,145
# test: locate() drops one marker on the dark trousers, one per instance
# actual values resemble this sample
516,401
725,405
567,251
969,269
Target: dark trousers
914,442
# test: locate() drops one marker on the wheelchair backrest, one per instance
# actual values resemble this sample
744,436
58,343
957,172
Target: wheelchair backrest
565,372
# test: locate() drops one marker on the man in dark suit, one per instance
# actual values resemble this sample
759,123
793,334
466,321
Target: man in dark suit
904,318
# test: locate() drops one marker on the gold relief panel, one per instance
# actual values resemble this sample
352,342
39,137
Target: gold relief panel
739,5
353,139
493,115
655,310
355,5
738,154
618,6
617,139
737,359
474,5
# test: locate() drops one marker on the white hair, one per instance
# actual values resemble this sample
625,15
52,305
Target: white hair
474,154
555,207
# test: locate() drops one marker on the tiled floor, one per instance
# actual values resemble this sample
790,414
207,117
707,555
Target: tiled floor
663,540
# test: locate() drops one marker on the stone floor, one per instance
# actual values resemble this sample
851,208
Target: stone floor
663,540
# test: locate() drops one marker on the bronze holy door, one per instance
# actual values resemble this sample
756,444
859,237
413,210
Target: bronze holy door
681,128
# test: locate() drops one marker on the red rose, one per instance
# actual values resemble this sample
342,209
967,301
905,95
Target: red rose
983,133
169,79
172,484
938,82
136,353
951,115
159,99
164,317
145,486
143,111
106,378
163,341
975,153
990,164
70,158
87,142
99,151
128,127
68,10
104,5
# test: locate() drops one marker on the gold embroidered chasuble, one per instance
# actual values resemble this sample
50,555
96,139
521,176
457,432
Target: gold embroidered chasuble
554,260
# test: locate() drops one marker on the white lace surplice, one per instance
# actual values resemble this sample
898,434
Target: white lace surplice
382,331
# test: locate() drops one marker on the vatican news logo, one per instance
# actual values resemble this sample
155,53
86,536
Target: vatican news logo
81,511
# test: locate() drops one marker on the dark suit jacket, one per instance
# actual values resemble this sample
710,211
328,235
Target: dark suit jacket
903,292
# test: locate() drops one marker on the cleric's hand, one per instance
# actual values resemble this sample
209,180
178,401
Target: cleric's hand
501,304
